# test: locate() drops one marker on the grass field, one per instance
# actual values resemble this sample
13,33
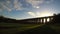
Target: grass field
12,28
15,28
56,27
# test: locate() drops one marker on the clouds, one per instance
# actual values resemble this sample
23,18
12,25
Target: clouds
48,1
13,4
36,3
9,5
5,5
41,14
21,4
17,5
32,14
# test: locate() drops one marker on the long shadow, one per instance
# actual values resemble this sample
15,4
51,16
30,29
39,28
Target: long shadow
40,30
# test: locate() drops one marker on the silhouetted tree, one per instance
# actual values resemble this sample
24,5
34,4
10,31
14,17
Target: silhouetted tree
56,18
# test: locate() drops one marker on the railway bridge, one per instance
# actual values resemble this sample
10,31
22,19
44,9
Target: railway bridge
41,19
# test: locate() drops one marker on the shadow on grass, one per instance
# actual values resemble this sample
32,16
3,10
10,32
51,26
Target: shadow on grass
40,30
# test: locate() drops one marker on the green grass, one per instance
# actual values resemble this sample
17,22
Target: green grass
56,27
45,29
12,28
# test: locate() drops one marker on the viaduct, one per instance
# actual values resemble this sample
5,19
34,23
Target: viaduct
39,20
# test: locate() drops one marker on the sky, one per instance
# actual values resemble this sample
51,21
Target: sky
24,9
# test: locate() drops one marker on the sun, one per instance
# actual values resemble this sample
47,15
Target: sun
44,14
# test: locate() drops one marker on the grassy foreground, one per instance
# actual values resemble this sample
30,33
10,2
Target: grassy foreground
45,29
13,28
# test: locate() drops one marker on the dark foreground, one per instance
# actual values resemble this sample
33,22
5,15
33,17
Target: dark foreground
29,29
45,29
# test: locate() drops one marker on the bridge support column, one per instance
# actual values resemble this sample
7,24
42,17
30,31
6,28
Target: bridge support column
45,20
50,19
39,20
42,20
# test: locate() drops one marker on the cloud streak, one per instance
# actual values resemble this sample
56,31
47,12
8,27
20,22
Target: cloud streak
5,5
17,5
36,3
32,14
10,5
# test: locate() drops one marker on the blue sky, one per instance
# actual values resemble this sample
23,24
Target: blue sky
24,9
